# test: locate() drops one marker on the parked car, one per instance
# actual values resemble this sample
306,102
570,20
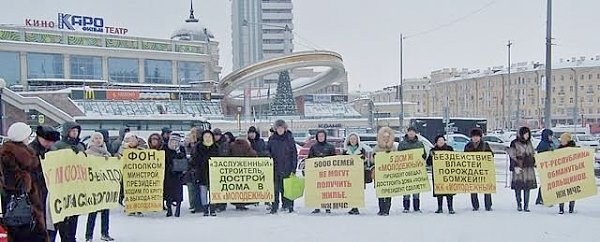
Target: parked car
496,143
457,141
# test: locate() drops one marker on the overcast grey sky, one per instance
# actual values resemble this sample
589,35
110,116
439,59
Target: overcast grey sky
366,32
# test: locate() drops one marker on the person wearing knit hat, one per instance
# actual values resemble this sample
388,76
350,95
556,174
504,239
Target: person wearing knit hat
18,132
165,134
97,147
172,186
256,142
20,167
478,145
282,148
566,140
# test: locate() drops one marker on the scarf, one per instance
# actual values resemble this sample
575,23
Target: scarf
352,148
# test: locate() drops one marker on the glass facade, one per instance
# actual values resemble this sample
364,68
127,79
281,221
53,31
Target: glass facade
123,70
86,67
158,71
10,67
45,65
190,72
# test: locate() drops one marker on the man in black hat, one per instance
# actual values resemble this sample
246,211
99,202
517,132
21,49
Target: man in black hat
45,138
478,145
411,141
256,142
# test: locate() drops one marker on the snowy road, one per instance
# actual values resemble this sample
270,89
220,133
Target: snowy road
502,224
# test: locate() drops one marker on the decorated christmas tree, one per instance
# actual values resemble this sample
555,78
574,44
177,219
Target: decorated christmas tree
284,104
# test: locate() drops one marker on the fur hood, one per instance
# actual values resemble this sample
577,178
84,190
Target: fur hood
385,146
360,144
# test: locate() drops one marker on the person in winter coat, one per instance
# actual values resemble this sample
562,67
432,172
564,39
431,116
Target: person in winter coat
116,144
241,148
45,138
321,149
205,149
222,142
440,145
229,138
282,148
385,144
353,146
478,145
410,142
256,142
173,188
130,141
189,144
566,140
546,144
97,147
70,140
522,165
19,165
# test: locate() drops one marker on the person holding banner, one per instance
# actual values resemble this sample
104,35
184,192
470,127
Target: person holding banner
282,148
411,141
566,140
522,165
70,140
173,188
19,164
321,149
385,143
97,147
241,148
546,144
478,145
353,146
130,141
256,142
205,149
440,144
45,138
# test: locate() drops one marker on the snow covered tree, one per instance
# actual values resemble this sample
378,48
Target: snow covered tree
284,104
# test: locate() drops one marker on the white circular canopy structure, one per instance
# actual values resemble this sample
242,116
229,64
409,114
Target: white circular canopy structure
233,84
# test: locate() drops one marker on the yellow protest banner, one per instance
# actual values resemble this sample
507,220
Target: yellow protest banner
79,185
334,182
400,173
143,177
566,175
241,180
463,172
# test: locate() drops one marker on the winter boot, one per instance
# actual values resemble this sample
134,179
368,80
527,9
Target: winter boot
417,205
213,210
327,210
519,207
450,200
206,210
561,208
169,210
571,207
106,238
316,211
354,211
440,203
178,209
406,204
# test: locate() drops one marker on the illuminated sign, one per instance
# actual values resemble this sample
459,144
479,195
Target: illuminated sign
76,22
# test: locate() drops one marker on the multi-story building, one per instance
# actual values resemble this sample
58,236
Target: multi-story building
262,29
507,102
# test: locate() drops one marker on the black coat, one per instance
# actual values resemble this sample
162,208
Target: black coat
481,147
282,148
223,147
173,188
259,146
199,163
430,163
321,150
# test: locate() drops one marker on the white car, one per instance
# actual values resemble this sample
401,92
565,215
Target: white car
586,140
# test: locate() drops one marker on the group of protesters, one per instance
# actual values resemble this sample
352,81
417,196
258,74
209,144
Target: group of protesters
22,174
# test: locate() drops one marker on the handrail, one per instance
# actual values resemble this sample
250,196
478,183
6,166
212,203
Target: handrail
22,102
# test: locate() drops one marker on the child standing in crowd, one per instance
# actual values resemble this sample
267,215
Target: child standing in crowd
321,149
522,165
205,149
410,142
385,143
440,145
173,188
566,140
478,145
353,146
97,147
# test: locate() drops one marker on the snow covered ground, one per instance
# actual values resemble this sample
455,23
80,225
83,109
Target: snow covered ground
502,224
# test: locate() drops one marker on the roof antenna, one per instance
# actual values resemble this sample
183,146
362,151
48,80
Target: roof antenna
192,19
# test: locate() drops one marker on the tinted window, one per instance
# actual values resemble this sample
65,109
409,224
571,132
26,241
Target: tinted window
158,71
10,68
45,65
123,70
86,67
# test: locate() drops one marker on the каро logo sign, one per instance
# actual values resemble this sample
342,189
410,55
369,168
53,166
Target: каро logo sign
86,23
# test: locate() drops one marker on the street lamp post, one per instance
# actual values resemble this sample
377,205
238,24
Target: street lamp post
400,87
509,87
548,107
